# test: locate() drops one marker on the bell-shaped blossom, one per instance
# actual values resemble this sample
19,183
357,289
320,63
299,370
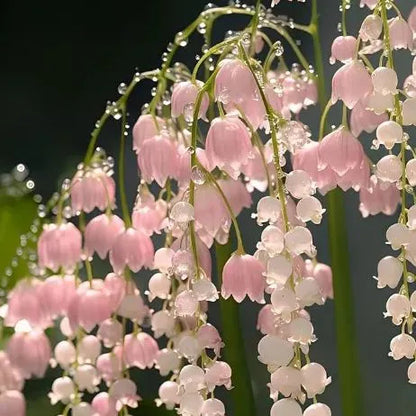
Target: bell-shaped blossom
65,354
314,379
86,378
279,269
308,159
133,307
379,197
89,306
110,332
146,127
301,331
163,323
275,351
234,83
267,320
213,407
285,381
189,347
284,302
340,151
92,189
389,168
59,245
140,350
10,377
389,272
310,209
25,303
184,99
308,292
124,391
115,287
110,365
63,388
411,373
56,293
167,361
343,49
286,407
100,234
389,133
104,405
228,144
379,103
133,249
401,36
149,215
209,337
158,159
243,275
268,210
409,112
168,394
186,303
272,240
192,378
384,80
317,409
371,28
322,273
401,346
397,235
298,240
351,83
159,286
191,404
398,307
363,119
29,352
12,402
411,172
218,374
299,184
89,348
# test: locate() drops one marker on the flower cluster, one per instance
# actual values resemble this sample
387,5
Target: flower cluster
378,105
207,140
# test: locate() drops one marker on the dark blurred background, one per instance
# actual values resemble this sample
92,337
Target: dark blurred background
61,62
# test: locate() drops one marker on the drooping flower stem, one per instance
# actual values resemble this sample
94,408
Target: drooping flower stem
347,349
242,393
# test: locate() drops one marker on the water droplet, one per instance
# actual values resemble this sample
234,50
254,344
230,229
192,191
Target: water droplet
198,176
122,88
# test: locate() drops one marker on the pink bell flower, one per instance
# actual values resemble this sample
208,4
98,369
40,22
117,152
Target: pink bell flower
92,189
89,306
365,120
184,97
12,403
294,93
100,234
307,159
110,365
218,374
236,193
234,83
343,49
56,293
148,215
140,350
124,391
145,128
10,377
322,273
412,20
351,83
158,159
29,352
379,197
340,151
209,337
116,288
59,245
133,249
25,303
104,405
401,36
266,320
243,276
371,4
228,144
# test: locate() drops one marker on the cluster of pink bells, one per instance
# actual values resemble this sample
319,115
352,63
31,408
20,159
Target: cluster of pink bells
101,320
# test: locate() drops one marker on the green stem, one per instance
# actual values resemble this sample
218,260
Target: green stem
242,393
121,167
347,348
